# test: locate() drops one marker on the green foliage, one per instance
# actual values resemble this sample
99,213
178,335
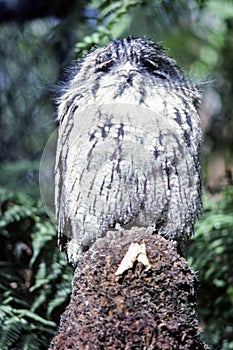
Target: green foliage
115,19
213,21
35,280
109,14
15,174
211,255
28,68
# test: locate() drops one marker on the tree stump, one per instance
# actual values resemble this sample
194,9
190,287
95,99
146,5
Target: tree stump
143,308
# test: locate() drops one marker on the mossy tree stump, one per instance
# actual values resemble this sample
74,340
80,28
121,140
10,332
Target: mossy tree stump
141,309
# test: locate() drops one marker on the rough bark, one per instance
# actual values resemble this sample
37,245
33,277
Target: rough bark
141,309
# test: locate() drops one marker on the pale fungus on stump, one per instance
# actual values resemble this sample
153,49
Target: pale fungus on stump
144,308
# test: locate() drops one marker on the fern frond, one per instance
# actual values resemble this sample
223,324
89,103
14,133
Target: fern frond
42,233
211,255
61,295
10,332
29,342
15,213
30,277
34,317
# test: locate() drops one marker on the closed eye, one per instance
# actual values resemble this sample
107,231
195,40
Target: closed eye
154,68
104,63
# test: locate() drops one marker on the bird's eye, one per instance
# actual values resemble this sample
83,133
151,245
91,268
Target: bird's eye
150,64
154,67
104,62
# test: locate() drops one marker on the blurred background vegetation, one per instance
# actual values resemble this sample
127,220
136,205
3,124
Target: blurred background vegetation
38,40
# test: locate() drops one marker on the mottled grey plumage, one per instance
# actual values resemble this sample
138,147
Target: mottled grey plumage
128,146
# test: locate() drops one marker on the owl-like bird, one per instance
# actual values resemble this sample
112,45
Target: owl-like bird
128,147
